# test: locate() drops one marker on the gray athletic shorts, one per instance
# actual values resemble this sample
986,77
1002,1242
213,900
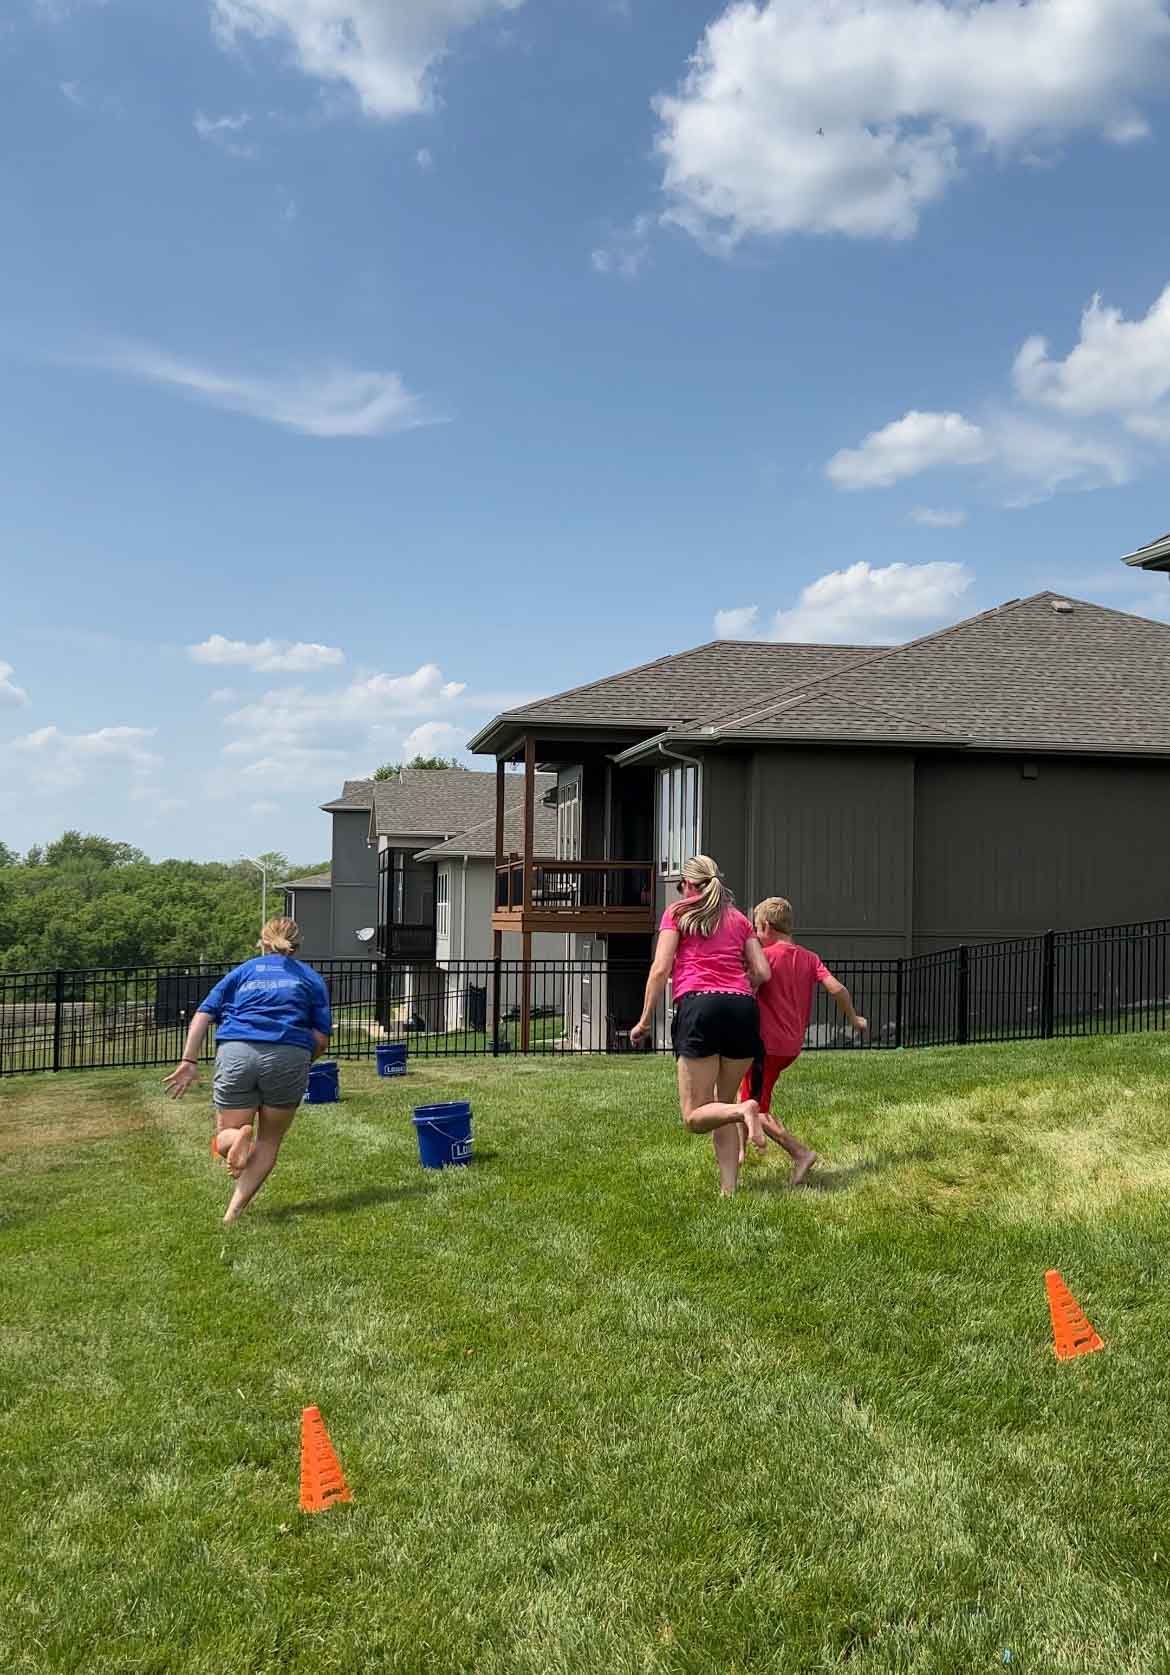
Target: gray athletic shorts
253,1073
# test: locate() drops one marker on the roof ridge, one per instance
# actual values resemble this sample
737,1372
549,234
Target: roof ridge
810,688
667,657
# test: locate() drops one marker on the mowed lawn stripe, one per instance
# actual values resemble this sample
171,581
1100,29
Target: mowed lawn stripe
593,1417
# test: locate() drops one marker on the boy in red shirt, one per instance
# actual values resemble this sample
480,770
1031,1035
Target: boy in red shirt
786,1003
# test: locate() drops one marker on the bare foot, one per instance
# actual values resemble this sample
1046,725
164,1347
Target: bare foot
742,1134
751,1121
801,1167
239,1152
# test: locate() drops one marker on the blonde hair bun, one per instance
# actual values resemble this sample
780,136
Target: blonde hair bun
281,936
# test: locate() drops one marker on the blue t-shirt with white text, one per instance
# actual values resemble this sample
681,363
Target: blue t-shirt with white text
274,998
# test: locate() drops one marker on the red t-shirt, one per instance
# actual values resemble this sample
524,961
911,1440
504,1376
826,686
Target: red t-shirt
712,963
786,999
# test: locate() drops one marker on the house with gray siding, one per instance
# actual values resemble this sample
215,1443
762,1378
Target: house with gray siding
1007,775
331,909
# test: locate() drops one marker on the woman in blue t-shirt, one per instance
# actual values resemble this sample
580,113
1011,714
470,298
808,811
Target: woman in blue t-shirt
272,1020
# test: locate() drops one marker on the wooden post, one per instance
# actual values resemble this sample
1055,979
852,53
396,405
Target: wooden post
497,937
526,902
529,818
500,790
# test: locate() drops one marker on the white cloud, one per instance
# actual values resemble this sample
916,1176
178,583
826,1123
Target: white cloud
1016,449
261,809
626,251
1118,366
1112,392
294,729
220,129
10,693
72,91
425,159
914,443
434,738
385,51
739,622
58,760
265,656
938,517
224,695
851,116
330,402
863,606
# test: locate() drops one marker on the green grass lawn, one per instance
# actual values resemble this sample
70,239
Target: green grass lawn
595,1419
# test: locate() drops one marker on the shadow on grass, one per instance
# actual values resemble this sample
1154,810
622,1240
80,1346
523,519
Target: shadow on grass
343,1203
840,1180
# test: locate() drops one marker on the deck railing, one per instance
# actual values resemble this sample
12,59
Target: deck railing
571,887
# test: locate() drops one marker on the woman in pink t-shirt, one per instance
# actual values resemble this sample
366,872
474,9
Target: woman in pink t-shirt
710,954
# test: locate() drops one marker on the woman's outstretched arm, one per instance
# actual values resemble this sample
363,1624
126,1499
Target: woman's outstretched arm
187,1069
656,983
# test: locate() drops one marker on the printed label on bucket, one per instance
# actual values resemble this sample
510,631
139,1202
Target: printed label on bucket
460,1149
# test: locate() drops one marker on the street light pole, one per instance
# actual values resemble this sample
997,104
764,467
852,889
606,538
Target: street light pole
263,871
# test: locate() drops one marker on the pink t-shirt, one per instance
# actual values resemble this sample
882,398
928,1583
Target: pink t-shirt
711,963
786,999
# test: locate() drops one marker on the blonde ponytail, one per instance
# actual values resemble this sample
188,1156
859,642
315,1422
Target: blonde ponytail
281,936
700,915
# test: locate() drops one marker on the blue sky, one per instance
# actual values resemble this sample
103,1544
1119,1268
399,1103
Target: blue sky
369,365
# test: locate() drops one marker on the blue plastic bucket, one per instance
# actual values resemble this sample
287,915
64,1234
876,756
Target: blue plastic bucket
391,1059
324,1083
444,1134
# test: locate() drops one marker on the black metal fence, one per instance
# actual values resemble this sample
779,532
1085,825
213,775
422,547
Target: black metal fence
1087,982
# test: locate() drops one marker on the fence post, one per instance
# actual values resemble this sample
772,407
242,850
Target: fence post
58,1005
898,992
1048,991
962,995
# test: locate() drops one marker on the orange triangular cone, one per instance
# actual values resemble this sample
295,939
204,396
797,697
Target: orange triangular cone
322,1479
1071,1332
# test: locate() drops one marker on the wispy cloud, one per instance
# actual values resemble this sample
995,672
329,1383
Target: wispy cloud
332,401
265,656
938,517
626,250
220,131
58,760
11,695
425,159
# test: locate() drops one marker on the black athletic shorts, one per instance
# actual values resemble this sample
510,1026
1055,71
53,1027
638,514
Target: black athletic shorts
709,1024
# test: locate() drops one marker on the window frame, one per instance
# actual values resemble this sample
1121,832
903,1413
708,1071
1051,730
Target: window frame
680,802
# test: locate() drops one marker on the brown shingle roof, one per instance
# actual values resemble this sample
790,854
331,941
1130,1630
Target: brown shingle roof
1024,676
480,841
438,802
1155,555
673,690
355,794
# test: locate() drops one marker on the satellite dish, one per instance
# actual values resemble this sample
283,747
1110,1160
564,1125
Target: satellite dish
366,935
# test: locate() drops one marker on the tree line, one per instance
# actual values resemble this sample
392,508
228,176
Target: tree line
89,901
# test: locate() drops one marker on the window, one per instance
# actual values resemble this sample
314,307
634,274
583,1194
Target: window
443,903
569,821
679,817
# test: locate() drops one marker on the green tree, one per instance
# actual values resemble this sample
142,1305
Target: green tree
388,770
8,857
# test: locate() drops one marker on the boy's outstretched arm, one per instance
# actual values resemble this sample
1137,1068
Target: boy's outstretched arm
844,1003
